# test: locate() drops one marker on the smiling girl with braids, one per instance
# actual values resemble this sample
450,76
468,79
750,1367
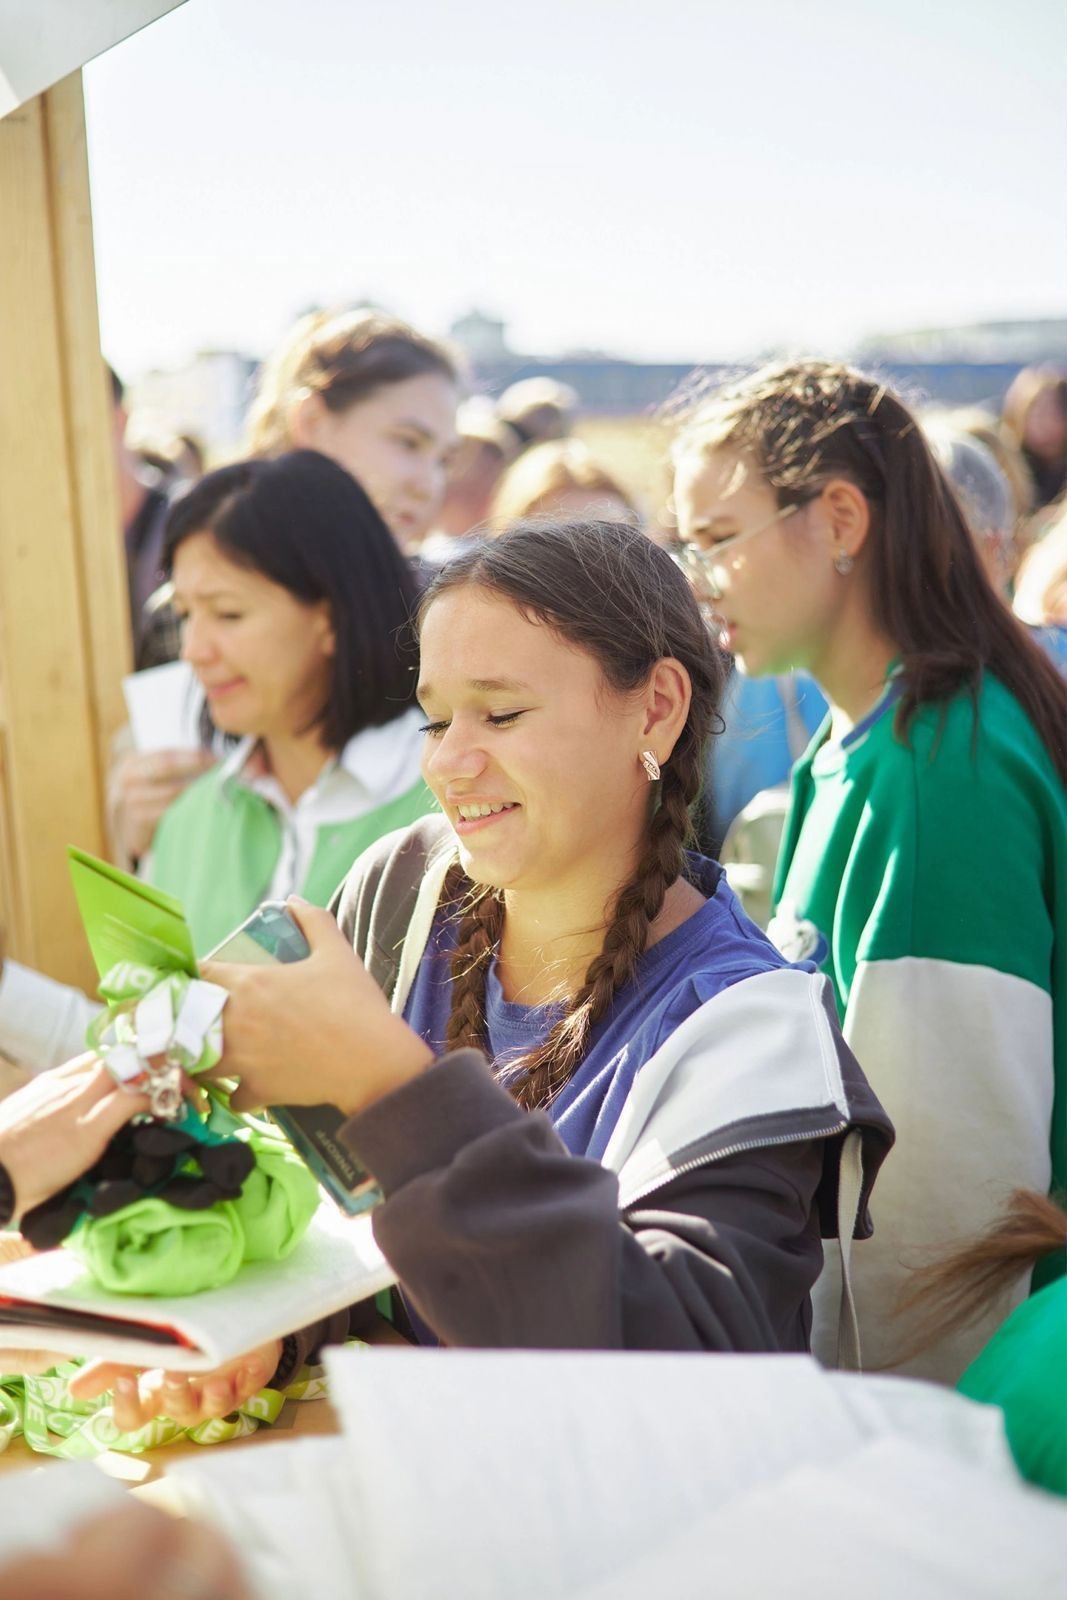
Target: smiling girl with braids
604,1111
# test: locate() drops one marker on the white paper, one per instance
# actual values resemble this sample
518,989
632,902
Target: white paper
531,1474
624,1477
285,1509
894,1520
164,705
335,1264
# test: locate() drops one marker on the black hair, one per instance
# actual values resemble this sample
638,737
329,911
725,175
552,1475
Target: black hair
306,524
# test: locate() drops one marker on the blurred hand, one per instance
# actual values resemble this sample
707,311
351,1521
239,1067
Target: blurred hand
312,1031
143,783
134,1553
185,1397
56,1126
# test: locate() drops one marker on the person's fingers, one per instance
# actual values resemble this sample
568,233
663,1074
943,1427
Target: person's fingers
179,1397
113,1111
76,1067
129,1408
97,1377
220,1396
318,927
247,1098
29,1363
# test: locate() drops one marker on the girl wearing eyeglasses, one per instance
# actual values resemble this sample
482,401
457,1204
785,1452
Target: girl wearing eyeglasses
924,858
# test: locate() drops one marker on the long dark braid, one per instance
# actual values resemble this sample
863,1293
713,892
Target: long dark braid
608,589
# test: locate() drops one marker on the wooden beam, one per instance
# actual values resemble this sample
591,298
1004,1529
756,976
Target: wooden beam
64,631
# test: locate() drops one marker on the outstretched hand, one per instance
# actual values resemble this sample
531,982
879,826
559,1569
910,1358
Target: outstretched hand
56,1126
187,1398
312,1032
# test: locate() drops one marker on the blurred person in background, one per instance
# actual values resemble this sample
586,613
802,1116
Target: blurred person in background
984,495
1034,418
143,502
560,479
374,395
537,409
293,599
924,859
986,502
377,397
1041,589
485,450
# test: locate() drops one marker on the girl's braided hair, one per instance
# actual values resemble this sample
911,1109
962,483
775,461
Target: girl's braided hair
607,589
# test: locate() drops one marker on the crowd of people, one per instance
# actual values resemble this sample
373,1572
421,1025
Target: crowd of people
496,722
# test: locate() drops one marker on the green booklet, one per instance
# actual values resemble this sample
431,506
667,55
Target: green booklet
130,921
127,920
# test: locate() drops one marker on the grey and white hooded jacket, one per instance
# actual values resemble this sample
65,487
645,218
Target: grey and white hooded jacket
749,1136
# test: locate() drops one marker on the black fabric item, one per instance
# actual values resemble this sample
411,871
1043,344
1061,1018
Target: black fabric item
112,1195
228,1165
190,1193
47,1225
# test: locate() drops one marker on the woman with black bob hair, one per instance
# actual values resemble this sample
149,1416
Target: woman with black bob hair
293,596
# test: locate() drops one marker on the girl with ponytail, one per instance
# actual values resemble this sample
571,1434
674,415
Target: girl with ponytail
924,857
603,1110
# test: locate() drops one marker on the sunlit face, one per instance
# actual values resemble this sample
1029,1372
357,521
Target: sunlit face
776,593
265,659
1045,429
525,724
397,444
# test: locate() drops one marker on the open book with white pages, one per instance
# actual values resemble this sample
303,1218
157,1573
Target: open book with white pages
48,1302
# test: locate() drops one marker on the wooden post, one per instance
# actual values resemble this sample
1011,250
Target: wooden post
64,626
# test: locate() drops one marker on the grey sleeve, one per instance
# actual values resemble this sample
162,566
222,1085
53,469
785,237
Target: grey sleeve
500,1237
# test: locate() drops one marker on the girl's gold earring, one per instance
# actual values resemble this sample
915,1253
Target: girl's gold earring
650,764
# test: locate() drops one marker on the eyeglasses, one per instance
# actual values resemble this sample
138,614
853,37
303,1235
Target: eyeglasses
700,565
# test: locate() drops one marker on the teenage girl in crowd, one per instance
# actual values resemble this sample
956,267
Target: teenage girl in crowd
293,596
924,859
377,397
603,1110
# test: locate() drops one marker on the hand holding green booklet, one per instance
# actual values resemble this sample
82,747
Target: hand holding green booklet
49,1301
131,922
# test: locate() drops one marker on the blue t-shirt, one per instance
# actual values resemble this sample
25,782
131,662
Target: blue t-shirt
716,947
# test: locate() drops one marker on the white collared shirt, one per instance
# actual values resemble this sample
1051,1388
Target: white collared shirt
375,767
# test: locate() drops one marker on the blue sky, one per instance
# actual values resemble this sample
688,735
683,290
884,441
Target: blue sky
680,181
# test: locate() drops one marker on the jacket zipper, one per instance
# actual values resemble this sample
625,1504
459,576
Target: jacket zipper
732,1150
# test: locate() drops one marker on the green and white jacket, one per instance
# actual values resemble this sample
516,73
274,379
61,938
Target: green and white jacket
928,879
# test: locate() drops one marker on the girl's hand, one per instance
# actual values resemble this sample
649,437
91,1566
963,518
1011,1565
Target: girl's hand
185,1397
315,1031
56,1126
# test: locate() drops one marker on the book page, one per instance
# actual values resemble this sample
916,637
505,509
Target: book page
335,1264
489,1473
